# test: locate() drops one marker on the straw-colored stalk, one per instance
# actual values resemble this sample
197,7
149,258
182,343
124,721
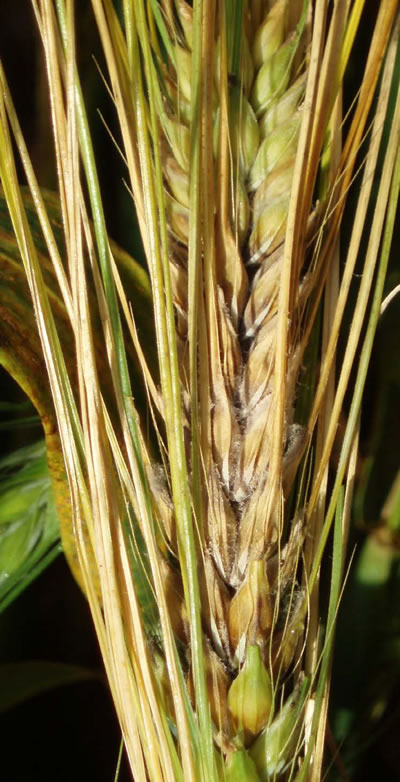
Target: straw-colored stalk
208,573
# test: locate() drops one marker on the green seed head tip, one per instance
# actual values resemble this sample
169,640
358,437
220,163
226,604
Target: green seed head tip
250,612
184,72
275,150
276,745
185,14
270,227
246,66
282,110
178,136
240,767
243,131
240,212
178,181
178,216
273,78
270,35
250,696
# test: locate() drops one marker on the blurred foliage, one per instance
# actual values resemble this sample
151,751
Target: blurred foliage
29,530
365,704
365,688
21,681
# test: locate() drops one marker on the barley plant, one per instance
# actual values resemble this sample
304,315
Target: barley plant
191,410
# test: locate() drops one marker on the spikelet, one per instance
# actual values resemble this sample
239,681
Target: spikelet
250,697
250,611
274,747
240,768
